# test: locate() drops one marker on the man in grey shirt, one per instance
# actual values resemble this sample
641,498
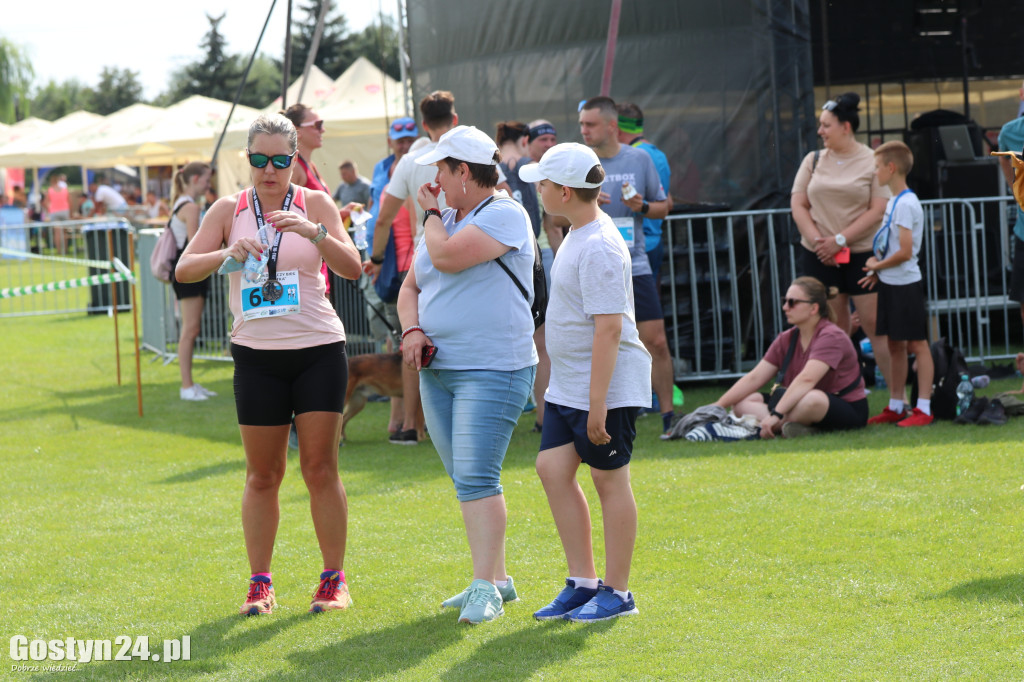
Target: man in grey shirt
353,186
631,170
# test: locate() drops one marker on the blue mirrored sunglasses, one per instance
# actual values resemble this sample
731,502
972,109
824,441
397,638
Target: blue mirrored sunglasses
280,161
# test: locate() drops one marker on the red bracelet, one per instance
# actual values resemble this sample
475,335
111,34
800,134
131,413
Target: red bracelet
410,330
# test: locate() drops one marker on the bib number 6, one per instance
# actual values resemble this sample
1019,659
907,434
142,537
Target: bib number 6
255,300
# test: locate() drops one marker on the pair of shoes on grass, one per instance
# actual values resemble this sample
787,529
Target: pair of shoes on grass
913,418
983,412
584,605
482,601
195,393
401,437
331,595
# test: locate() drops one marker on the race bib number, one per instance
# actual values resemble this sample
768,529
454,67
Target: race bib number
626,227
255,306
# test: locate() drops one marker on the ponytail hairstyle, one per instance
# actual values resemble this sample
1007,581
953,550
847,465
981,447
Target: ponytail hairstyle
511,131
817,294
295,113
183,176
845,108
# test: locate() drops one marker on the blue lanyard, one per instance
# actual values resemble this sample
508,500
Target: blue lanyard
881,246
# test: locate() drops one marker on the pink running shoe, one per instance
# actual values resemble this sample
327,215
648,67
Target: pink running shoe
331,595
260,599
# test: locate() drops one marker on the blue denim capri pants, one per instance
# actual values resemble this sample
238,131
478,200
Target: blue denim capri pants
470,414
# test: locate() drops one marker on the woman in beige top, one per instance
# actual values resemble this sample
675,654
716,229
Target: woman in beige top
838,204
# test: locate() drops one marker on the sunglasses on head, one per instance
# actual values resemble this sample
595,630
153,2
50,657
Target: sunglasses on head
399,127
791,302
318,124
280,161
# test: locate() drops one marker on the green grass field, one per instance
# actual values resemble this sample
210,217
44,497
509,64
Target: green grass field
882,554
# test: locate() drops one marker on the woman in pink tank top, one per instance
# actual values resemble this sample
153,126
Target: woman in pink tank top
289,350
310,129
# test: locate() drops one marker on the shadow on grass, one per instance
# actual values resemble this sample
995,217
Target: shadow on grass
212,645
520,655
1007,588
381,653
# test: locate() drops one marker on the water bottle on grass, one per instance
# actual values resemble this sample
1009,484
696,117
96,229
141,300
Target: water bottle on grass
964,394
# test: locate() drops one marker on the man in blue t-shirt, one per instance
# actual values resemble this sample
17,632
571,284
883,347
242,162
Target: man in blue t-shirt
631,132
1011,139
632,191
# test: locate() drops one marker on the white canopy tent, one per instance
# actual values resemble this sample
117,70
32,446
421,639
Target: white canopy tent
363,102
318,93
20,152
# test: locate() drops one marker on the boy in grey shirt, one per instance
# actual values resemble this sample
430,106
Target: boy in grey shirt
600,378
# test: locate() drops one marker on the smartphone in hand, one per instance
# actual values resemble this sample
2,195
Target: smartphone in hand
428,355
843,256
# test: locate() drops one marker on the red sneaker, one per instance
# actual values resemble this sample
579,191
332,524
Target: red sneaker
331,595
917,418
260,599
887,417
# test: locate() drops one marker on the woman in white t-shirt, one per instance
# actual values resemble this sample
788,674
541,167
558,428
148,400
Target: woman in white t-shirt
190,183
459,303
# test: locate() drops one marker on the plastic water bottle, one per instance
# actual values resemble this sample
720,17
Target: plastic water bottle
253,269
879,379
964,394
360,237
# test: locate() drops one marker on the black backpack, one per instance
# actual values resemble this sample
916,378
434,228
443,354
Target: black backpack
540,282
950,366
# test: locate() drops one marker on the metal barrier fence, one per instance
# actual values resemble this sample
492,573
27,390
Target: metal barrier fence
42,253
161,320
725,273
722,279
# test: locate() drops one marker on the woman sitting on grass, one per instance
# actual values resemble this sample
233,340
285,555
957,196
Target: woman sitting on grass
823,385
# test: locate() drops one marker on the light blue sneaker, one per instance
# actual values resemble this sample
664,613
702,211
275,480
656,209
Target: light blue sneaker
482,603
604,606
569,598
508,594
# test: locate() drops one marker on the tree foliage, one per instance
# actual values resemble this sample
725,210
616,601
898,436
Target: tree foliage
217,75
338,47
117,89
55,100
15,78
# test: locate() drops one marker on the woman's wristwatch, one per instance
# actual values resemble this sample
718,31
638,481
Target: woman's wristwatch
429,212
773,412
377,260
319,235
840,240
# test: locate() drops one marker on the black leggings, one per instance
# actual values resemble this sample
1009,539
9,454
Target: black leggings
270,385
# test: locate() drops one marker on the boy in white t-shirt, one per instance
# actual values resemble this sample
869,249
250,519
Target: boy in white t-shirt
902,313
600,378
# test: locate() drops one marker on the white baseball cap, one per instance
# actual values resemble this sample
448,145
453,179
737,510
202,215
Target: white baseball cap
566,164
464,143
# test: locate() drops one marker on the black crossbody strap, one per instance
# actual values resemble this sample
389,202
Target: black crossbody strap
498,260
788,358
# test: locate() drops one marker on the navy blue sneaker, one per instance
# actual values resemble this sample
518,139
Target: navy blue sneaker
569,598
604,606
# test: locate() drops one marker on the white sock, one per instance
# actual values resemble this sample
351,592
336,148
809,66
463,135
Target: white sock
624,595
896,405
501,583
924,405
584,583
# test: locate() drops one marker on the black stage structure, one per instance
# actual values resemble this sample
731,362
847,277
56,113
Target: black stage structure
726,86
